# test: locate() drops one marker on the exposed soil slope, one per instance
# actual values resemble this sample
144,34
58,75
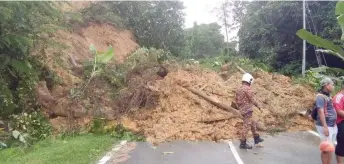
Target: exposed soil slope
66,56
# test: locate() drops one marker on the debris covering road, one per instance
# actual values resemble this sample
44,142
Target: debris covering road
182,115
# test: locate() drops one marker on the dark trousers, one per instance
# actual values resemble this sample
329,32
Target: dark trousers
340,139
248,124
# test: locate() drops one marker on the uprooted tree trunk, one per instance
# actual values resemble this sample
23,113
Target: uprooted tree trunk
215,101
240,69
210,121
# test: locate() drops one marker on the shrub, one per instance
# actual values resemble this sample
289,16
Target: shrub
34,124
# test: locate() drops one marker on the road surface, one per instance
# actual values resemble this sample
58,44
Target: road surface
284,148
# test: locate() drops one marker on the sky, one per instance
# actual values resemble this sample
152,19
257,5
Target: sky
202,11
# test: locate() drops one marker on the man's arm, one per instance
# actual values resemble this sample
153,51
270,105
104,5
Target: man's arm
320,104
339,105
250,95
340,113
322,118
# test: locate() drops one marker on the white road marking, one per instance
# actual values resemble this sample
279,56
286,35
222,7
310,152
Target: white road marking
108,155
235,153
316,134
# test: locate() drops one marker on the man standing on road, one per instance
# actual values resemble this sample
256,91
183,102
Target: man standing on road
326,117
245,101
338,103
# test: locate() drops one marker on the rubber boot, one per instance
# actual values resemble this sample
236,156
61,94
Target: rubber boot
257,140
244,145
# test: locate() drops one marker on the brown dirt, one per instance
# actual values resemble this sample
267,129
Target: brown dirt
66,62
183,115
101,36
159,108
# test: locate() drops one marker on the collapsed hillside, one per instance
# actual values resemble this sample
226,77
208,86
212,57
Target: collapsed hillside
68,65
158,107
182,115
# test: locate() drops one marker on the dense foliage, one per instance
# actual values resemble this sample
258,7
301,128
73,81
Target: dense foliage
21,24
332,48
203,40
266,35
267,31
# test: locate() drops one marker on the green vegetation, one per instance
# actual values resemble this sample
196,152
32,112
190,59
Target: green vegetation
70,150
267,41
18,70
267,31
203,40
331,47
33,126
93,68
100,127
247,64
116,74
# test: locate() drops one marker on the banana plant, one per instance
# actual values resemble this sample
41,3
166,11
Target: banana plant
99,58
318,41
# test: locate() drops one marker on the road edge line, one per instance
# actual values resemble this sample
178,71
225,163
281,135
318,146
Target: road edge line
314,133
235,153
108,155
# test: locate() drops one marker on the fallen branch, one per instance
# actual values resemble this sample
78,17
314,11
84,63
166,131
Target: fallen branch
240,69
72,60
304,113
215,101
204,86
209,121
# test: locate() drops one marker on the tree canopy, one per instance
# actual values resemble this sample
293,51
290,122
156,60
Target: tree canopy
204,40
21,24
267,31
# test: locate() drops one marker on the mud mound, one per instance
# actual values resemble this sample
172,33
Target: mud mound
184,115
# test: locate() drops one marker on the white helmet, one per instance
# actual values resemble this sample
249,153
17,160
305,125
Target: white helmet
247,78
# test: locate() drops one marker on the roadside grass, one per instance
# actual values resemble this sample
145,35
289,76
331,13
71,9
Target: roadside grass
80,149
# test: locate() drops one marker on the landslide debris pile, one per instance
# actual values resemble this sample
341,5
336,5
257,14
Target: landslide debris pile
182,115
66,60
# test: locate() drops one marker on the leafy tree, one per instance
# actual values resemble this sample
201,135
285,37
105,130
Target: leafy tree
267,30
232,44
223,13
204,40
331,47
21,24
229,13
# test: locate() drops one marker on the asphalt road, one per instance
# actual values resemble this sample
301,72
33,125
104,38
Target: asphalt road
284,148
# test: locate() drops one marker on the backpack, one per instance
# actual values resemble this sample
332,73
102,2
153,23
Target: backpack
314,112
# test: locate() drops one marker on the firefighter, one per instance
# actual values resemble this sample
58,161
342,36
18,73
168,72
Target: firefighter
245,100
